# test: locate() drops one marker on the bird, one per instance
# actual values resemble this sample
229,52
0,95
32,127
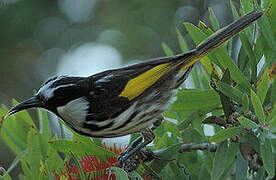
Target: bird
129,99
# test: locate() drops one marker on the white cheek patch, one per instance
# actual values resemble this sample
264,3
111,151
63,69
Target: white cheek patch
75,111
46,91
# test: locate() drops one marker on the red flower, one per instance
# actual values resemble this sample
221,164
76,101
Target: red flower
93,167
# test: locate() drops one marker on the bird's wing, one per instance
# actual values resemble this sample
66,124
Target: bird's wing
115,90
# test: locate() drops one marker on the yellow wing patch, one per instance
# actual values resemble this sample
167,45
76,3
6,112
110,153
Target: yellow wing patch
140,83
189,64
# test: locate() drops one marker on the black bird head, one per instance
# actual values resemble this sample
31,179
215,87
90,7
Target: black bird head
55,92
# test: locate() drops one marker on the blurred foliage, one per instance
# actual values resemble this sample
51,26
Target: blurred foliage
235,96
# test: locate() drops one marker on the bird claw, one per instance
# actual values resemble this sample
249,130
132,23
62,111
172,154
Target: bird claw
131,163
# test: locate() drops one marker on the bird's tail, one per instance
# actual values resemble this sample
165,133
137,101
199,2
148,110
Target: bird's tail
219,37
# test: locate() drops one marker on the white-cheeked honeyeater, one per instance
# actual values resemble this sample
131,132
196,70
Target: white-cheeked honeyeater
126,100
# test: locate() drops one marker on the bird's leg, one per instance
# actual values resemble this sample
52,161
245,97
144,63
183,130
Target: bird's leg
125,161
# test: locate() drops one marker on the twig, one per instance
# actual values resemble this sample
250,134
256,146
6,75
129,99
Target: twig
201,146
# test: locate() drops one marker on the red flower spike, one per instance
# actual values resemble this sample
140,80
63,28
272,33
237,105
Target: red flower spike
93,167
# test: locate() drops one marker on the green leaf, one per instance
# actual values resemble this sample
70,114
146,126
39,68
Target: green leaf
260,174
267,157
81,148
272,117
225,100
193,99
225,134
175,171
15,162
246,7
44,123
241,167
219,161
205,29
191,135
273,92
81,173
33,158
166,153
187,121
15,129
257,107
231,92
53,160
198,36
245,102
234,11
181,41
252,57
6,177
49,173
135,175
213,19
247,122
120,173
268,35
27,171
263,88
252,140
231,154
167,50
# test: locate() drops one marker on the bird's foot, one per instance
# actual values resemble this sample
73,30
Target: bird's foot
130,159
131,163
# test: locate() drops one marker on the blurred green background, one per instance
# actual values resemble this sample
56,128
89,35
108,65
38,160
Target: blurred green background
39,38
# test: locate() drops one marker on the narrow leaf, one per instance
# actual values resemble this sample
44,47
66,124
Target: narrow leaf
241,167
257,107
225,134
272,114
213,19
231,92
181,41
250,53
245,102
135,175
34,157
167,50
231,154
247,122
81,173
120,173
267,157
234,11
44,123
263,88
219,161
192,99
273,92
81,148
268,35
169,152
16,161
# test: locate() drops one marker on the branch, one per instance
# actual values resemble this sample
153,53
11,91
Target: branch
201,146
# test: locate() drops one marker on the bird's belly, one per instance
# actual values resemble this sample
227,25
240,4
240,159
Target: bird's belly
140,115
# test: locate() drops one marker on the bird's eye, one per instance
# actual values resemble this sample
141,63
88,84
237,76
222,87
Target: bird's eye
41,99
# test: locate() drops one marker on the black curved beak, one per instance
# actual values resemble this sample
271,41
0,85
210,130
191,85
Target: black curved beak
29,103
